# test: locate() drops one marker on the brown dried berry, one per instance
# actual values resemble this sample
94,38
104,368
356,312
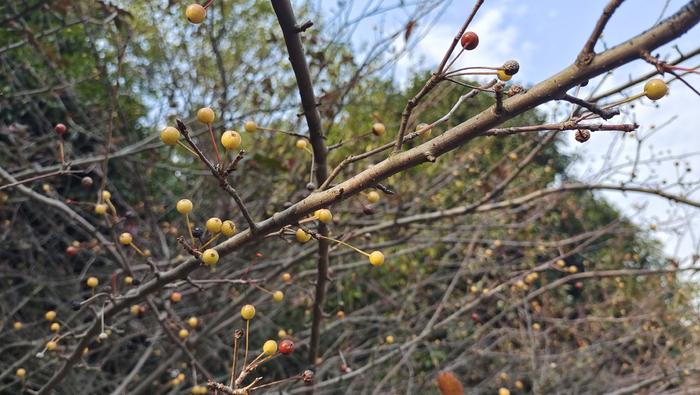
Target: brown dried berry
86,182
582,135
308,377
511,67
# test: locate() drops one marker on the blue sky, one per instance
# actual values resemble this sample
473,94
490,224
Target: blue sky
545,36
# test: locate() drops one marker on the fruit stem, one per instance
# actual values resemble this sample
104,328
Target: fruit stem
216,236
213,142
137,249
189,227
187,148
60,149
245,354
343,243
627,100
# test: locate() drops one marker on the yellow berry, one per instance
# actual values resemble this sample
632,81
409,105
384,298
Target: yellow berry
281,333
210,257
286,277
501,74
228,228
50,315
183,333
250,126
503,391
205,115
519,384
376,258
270,347
100,208
214,225
184,206
301,144
195,13
302,236
340,314
176,297
373,197
106,195
536,326
248,312
378,129
324,215
231,140
655,89
135,309
128,280
193,322
125,238
17,325
21,373
561,263
572,269
278,296
170,136
52,345
389,339
92,282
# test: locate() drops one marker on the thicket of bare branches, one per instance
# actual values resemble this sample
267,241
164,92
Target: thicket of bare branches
405,240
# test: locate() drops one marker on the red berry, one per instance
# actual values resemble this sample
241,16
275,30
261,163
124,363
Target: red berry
469,41
475,317
286,347
578,285
60,129
72,250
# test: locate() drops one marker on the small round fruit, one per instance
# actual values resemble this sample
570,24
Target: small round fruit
501,74
278,296
536,326
286,347
302,236
92,282
373,197
378,129
228,228
72,250
426,129
176,297
184,206
248,312
193,322
214,225
55,327
51,345
17,325
270,347
655,89
50,315
170,135
60,129
100,208
469,41
301,144
340,314
106,195
135,310
195,13
281,333
519,384
250,126
183,333
376,258
503,391
86,182
286,277
126,238
128,280
210,257
231,140
324,215
389,339
21,373
205,115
